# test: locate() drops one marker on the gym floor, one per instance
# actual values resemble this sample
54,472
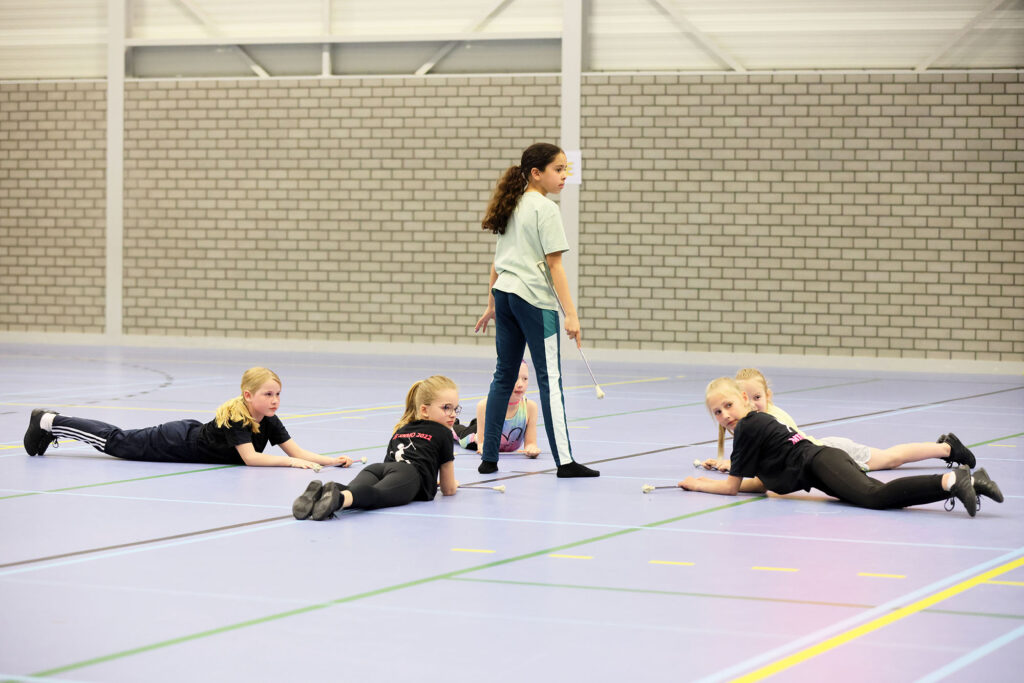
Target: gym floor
114,570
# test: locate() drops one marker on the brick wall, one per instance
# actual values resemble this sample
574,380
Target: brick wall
337,209
52,206
854,215
844,214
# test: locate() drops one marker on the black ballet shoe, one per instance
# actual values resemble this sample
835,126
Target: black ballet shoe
963,491
330,501
984,486
37,439
575,469
303,505
958,453
487,467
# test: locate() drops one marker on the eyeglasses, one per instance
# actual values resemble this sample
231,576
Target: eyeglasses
449,409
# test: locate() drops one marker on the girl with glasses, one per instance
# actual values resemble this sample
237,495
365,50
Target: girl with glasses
420,456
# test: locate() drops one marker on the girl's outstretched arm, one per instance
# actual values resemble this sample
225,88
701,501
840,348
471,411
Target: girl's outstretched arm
253,459
294,450
446,478
729,486
530,447
481,324
561,284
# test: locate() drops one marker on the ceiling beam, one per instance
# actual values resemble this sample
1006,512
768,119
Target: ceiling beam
669,9
951,42
446,49
203,18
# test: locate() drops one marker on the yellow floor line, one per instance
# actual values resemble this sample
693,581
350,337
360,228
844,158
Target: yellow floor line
573,557
875,624
883,576
472,550
775,569
1006,583
685,564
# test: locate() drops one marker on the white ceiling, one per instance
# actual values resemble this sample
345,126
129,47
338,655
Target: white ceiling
67,38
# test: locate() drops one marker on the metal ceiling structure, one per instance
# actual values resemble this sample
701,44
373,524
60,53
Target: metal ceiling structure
42,39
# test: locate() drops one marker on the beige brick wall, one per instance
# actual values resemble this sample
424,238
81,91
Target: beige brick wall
853,215
337,209
52,206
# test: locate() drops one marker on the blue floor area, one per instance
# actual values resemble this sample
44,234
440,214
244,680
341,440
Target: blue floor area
115,570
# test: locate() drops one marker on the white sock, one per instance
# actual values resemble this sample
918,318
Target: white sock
46,421
951,478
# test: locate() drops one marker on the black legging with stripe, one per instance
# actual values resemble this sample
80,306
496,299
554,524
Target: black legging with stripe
835,473
169,442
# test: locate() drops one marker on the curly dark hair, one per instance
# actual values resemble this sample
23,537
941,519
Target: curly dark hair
513,183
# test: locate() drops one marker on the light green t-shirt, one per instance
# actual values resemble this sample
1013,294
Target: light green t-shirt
534,231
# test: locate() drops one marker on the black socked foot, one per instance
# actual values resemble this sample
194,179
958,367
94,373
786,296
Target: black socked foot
487,467
303,505
959,454
574,469
984,486
963,490
37,439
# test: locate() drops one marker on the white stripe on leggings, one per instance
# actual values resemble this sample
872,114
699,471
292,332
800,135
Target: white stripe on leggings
96,442
558,421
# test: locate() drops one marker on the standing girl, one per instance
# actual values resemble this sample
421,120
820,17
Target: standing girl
519,429
236,436
948,447
419,454
522,305
784,461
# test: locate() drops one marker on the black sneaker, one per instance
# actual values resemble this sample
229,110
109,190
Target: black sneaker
963,491
487,467
984,486
330,501
303,505
575,469
37,439
958,453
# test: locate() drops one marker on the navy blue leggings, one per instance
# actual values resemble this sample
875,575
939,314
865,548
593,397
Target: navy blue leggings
516,325
170,442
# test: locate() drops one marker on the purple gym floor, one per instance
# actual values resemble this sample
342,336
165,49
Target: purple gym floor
113,570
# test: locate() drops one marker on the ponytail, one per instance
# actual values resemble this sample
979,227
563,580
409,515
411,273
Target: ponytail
510,188
513,183
421,393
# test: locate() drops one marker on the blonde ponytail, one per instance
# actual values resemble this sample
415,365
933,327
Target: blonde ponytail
421,393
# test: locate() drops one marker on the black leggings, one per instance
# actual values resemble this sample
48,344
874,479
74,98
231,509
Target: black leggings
384,484
835,473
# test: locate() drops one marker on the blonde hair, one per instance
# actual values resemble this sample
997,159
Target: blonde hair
754,373
728,385
421,393
236,409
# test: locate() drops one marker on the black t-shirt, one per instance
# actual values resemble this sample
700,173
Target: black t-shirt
765,448
217,444
426,445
